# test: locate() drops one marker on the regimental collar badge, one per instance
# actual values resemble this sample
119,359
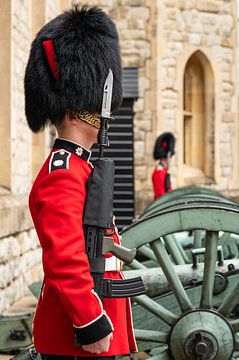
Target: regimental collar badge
79,151
72,147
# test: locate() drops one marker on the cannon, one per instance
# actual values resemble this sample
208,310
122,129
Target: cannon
187,243
191,308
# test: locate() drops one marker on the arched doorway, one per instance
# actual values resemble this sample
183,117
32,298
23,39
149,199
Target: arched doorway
198,119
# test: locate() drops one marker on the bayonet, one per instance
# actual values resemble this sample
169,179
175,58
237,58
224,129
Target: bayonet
105,113
107,96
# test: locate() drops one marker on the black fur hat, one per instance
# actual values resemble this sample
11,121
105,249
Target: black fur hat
164,144
68,64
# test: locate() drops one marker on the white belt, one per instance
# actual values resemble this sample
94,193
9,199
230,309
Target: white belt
113,264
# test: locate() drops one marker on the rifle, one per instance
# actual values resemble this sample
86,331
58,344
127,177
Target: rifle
98,215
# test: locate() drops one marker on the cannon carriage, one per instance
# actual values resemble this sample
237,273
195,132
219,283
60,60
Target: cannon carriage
192,280
187,243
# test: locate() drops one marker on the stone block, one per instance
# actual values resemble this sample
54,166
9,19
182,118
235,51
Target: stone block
34,274
213,39
169,24
169,83
195,39
132,61
145,125
144,84
226,22
169,62
226,171
144,53
134,2
19,266
137,24
175,45
16,290
226,40
139,135
139,147
226,8
137,118
14,214
226,104
144,198
225,66
3,250
139,160
122,24
131,34
168,104
172,14
140,172
5,275
227,117
169,3
227,87
169,114
9,249
227,55
147,115
33,257
139,105
169,94
139,12
208,6
14,249
226,76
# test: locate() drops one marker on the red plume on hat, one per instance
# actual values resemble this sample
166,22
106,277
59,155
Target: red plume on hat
69,61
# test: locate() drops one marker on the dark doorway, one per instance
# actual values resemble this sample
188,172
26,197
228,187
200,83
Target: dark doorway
121,150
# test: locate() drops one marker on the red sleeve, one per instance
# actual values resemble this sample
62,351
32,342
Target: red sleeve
158,179
61,199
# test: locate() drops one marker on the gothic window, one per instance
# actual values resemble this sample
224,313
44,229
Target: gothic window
198,120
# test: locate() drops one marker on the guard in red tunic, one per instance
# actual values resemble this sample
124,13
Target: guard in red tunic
69,61
164,149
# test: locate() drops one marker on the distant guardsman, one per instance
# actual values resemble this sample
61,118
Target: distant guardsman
68,64
164,149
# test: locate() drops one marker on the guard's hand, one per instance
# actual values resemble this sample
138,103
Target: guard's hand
100,346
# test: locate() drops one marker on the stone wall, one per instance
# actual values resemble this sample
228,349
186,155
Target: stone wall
211,28
159,37
20,253
20,134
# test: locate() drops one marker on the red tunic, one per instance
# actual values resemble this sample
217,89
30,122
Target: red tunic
158,178
68,298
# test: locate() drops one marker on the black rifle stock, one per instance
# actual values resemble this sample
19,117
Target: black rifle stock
98,216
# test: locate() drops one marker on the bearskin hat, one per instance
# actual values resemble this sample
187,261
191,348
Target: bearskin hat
68,64
164,144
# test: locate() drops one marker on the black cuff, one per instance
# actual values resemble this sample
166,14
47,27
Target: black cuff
93,332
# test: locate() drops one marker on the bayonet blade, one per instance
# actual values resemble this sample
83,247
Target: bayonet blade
107,95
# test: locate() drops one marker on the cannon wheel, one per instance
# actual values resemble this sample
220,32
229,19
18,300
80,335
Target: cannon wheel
187,190
197,332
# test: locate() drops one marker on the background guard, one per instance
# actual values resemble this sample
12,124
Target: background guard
164,149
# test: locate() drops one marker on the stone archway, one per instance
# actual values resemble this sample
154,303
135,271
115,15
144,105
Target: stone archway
198,119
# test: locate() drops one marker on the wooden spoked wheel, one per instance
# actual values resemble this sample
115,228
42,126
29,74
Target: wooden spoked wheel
197,320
